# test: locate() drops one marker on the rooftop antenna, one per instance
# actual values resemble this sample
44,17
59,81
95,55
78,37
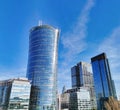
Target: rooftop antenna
40,23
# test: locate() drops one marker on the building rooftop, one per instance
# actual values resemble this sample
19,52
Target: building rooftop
99,57
42,26
3,82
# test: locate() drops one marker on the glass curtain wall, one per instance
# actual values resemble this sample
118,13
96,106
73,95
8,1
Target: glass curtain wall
42,67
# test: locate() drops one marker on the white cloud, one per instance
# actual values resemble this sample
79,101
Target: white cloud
111,45
74,43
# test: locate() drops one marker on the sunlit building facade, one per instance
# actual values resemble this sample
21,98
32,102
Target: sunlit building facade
76,99
42,67
15,94
82,76
104,86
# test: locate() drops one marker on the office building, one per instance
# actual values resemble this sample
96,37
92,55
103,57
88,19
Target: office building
42,67
82,77
64,101
14,94
104,86
76,99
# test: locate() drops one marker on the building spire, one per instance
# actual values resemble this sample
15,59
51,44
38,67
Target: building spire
64,89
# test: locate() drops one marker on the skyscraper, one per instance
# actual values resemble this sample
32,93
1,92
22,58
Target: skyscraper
102,79
82,77
42,67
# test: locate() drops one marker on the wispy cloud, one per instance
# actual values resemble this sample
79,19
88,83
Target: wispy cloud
111,45
74,42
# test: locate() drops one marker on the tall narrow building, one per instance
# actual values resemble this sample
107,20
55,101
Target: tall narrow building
82,77
42,67
102,78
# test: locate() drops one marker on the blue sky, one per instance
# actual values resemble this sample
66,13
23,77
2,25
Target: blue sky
87,28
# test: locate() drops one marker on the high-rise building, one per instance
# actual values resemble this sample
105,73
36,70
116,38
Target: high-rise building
42,67
82,77
15,94
104,86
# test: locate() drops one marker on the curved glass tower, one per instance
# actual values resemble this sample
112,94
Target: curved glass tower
42,67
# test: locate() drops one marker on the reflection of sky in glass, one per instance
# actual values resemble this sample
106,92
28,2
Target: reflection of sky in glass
42,66
20,91
102,78
15,94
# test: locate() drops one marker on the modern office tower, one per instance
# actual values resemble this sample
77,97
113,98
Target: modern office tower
102,79
82,77
42,67
76,99
14,94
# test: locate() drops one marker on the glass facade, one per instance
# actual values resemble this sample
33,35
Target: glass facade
102,78
14,94
75,77
82,77
20,95
5,90
42,67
